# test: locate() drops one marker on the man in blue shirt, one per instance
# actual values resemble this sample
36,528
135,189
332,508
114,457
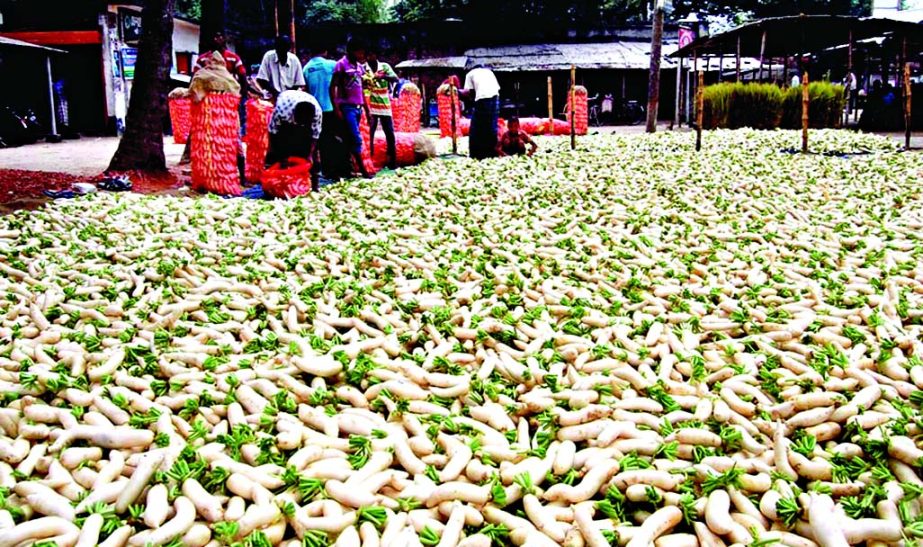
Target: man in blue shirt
318,72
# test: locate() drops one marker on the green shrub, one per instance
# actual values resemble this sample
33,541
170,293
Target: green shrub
736,105
826,109
766,106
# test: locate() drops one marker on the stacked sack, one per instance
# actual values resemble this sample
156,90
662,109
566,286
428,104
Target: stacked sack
444,103
259,113
180,114
582,120
215,129
406,109
215,143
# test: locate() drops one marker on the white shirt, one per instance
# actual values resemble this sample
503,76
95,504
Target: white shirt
282,78
796,81
284,112
483,82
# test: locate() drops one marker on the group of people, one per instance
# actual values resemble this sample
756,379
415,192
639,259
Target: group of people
319,106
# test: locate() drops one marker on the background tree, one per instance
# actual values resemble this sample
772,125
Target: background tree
212,20
141,147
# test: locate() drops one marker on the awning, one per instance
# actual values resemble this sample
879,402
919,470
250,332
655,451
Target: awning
11,42
801,34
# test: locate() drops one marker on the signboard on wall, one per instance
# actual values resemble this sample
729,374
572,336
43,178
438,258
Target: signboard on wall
686,36
129,60
130,25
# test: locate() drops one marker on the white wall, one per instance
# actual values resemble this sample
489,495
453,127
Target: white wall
185,40
891,9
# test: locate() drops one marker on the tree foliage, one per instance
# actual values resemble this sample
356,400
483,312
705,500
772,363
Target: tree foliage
189,8
613,11
343,11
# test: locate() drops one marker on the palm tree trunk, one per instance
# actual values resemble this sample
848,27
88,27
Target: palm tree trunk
141,147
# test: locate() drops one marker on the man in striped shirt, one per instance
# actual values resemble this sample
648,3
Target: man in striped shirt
379,78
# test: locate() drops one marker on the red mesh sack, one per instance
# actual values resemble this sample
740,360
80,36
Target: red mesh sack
405,152
259,114
501,126
287,182
561,127
534,126
407,108
581,120
215,143
464,127
181,119
444,102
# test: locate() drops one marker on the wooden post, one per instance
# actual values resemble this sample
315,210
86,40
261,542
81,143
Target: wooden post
699,110
452,96
424,114
550,106
275,6
762,54
573,107
721,67
653,78
294,31
785,81
677,120
738,57
908,119
805,118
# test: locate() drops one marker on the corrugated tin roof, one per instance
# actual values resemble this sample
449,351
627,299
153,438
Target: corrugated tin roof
545,57
4,41
625,55
436,62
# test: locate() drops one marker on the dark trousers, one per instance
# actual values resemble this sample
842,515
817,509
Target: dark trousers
387,125
483,137
334,157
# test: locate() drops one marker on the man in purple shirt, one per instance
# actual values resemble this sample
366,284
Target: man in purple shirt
348,97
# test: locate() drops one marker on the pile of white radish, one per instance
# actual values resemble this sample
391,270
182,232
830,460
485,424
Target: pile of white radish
632,344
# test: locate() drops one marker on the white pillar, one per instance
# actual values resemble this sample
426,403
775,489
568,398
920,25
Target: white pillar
54,117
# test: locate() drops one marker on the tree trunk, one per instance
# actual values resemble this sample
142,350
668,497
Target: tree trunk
213,20
653,86
142,146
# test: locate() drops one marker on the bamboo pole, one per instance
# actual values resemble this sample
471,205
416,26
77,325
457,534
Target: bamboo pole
762,54
699,110
908,119
805,106
275,6
550,106
738,58
294,30
452,96
573,107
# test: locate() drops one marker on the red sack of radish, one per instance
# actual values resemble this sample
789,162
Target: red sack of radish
581,120
288,182
404,143
444,102
406,108
534,126
259,114
181,119
215,143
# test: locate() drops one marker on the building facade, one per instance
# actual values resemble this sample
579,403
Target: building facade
101,40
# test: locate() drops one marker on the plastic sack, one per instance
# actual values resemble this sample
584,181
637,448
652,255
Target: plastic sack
259,114
534,126
288,182
181,119
406,109
215,143
213,78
